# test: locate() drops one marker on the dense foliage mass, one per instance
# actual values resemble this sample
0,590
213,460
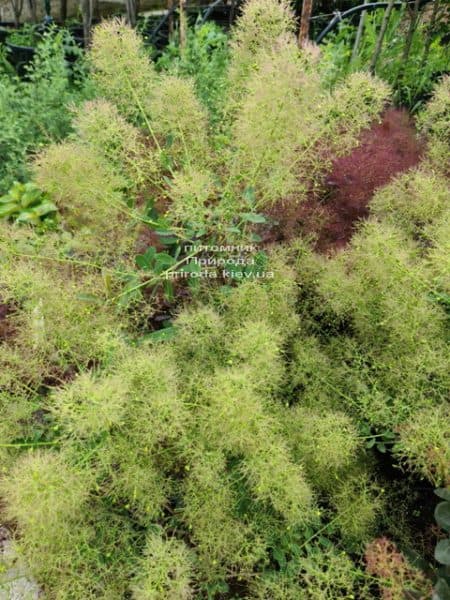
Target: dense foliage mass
236,453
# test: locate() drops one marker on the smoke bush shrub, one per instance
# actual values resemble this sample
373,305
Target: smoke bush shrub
424,443
434,121
99,125
52,332
121,69
165,571
413,201
234,458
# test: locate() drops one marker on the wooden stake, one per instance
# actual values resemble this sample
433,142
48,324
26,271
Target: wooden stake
379,44
182,25
303,36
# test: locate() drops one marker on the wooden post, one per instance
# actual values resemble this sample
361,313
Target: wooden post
63,11
33,10
379,44
359,33
86,11
414,19
182,26
131,12
17,7
303,36
170,10
430,32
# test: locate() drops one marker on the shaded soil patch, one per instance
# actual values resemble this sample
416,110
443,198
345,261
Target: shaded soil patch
6,327
385,150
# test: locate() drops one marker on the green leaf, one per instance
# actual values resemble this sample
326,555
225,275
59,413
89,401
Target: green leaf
145,261
141,262
45,208
191,267
162,334
168,290
442,552
442,515
89,298
279,557
441,590
249,196
443,493
167,240
255,238
7,210
30,197
253,218
162,262
28,217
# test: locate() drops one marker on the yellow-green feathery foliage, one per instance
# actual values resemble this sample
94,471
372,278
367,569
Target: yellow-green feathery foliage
438,256
121,69
262,24
236,420
190,191
323,575
352,106
224,544
47,498
99,125
272,298
434,121
425,444
326,442
54,329
135,410
357,502
273,123
88,407
88,193
258,345
179,118
312,374
165,571
287,128
414,201
380,286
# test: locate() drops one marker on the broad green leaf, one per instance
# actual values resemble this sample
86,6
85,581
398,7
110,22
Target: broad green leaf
253,217
443,493
161,335
162,262
442,515
442,552
441,590
28,217
249,195
29,198
45,208
145,261
89,298
6,210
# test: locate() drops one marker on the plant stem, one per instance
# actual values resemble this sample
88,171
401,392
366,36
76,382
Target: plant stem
29,444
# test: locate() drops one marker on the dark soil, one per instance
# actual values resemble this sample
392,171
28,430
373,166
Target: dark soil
6,327
385,150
